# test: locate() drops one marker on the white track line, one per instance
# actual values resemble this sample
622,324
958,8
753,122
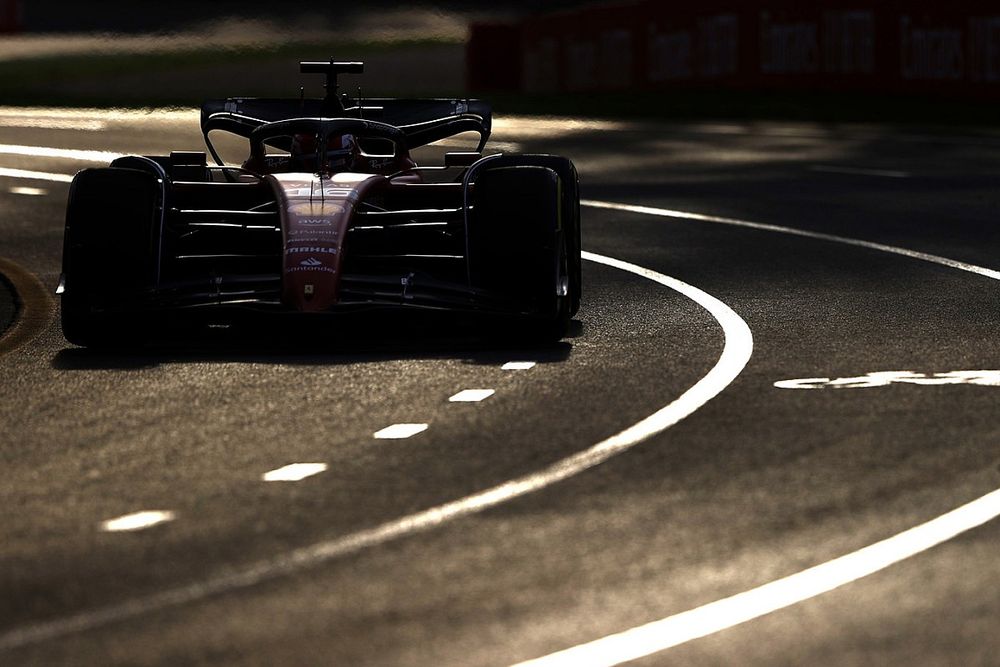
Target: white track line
471,395
399,431
725,613
35,175
684,215
137,521
293,472
29,192
728,612
518,365
735,355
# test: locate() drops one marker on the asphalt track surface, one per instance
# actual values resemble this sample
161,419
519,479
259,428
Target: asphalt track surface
391,554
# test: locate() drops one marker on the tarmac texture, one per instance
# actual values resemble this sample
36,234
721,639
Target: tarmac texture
234,505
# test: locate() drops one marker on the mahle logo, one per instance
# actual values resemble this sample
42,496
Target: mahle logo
315,249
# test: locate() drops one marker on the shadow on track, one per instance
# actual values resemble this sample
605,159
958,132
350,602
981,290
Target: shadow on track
364,342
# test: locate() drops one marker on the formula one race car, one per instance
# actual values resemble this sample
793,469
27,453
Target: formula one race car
328,215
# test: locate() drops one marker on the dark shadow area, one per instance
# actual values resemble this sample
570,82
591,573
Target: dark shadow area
8,304
781,174
777,105
122,16
360,343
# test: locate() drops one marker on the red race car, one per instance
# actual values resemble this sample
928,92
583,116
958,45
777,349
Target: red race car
328,215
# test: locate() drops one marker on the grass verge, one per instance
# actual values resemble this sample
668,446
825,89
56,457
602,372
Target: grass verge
63,80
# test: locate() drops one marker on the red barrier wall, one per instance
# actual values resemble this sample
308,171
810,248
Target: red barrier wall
493,57
867,45
10,15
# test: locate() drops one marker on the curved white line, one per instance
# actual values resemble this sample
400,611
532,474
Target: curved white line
684,215
735,355
701,621
727,612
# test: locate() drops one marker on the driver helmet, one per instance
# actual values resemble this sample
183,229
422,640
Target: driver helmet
342,154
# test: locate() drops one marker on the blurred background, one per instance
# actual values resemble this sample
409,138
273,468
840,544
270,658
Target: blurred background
832,59
180,15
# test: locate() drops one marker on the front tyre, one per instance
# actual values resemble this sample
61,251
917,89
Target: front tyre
519,248
109,254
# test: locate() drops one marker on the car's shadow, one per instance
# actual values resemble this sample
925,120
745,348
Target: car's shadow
320,347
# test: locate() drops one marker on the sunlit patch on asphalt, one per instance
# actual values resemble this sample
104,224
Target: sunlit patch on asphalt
400,431
518,365
137,521
553,127
471,395
35,175
30,192
63,153
294,472
885,378
54,123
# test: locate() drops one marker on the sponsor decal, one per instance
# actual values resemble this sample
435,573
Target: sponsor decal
718,45
788,47
325,242
312,261
376,164
930,53
307,208
329,191
323,250
983,45
313,221
614,59
314,209
317,233
670,55
319,269
582,60
849,42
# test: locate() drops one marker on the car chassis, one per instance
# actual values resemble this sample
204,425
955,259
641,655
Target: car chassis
328,215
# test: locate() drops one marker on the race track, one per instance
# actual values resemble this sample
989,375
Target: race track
787,353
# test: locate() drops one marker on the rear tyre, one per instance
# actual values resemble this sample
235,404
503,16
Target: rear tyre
571,223
108,255
570,215
519,249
